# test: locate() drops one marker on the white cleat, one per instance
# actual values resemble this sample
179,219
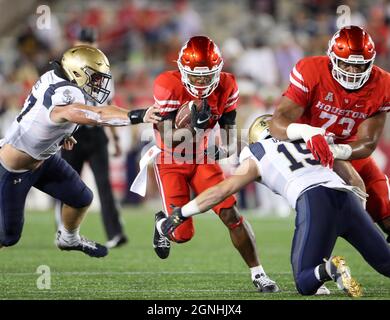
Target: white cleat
322,291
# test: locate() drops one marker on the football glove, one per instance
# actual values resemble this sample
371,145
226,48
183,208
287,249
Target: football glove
316,139
200,119
320,149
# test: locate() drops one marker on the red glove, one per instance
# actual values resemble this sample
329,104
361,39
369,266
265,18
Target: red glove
320,149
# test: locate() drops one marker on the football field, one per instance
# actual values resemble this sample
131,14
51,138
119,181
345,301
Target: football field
208,267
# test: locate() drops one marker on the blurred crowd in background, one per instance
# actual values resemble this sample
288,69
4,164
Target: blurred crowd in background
260,40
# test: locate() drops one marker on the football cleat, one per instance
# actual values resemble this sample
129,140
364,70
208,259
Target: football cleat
161,244
322,291
169,225
340,273
82,244
265,284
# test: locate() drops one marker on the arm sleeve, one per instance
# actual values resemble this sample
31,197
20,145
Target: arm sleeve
300,87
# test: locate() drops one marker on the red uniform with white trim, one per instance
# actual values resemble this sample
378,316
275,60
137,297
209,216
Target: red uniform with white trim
328,105
175,179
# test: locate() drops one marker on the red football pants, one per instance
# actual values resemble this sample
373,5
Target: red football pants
377,187
174,182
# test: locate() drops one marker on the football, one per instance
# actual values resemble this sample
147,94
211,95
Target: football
183,115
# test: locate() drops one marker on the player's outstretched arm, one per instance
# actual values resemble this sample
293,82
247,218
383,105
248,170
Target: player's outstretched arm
109,115
368,136
244,174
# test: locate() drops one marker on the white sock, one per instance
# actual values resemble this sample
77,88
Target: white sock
317,273
69,236
257,270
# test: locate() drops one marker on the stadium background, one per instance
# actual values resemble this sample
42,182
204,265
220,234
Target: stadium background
261,40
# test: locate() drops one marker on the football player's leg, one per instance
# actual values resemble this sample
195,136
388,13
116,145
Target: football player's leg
241,233
362,233
13,191
75,158
62,182
378,189
314,237
175,192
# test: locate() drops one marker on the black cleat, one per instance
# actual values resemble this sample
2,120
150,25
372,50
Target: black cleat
161,244
84,245
265,284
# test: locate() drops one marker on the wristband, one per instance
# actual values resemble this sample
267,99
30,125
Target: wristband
137,116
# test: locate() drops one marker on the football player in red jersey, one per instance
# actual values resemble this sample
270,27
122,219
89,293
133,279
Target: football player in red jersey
199,76
342,93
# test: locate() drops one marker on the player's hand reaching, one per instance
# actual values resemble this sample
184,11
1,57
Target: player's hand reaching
319,147
69,143
317,141
152,115
200,116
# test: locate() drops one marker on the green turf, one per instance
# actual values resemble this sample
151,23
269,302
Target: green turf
208,267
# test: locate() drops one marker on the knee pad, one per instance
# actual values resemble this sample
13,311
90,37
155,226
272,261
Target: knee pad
84,199
301,288
9,240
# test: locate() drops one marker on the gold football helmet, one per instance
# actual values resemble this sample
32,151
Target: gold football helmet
89,69
259,129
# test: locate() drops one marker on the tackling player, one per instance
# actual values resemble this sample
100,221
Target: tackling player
326,209
342,93
199,77
51,113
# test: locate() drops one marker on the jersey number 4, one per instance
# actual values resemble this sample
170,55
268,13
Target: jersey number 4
295,165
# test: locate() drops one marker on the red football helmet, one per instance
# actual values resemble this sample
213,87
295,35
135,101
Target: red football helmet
353,46
200,64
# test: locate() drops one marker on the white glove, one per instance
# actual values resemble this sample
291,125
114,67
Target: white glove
341,151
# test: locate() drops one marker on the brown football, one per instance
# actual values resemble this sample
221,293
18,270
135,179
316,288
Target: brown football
183,115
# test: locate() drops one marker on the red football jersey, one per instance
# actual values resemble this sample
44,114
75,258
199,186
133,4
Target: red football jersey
170,93
328,105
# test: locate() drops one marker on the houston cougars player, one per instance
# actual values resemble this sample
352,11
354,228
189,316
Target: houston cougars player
199,77
345,94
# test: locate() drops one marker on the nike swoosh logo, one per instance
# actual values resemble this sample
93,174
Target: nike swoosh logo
133,116
200,122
